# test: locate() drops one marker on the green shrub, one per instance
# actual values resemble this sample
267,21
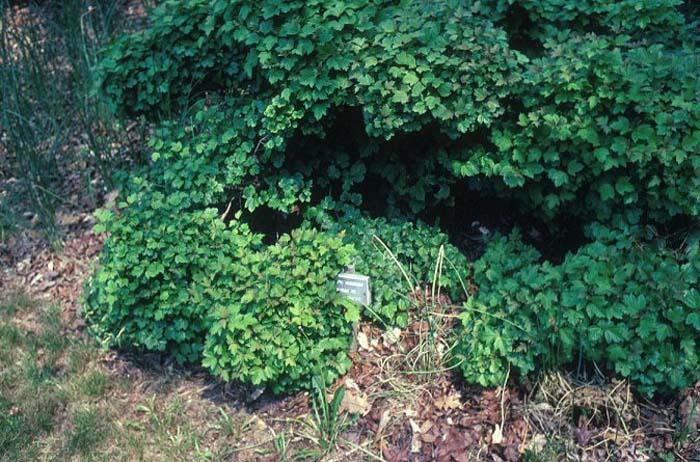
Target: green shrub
639,18
411,59
514,320
284,79
588,110
161,271
207,161
280,320
638,308
161,70
630,306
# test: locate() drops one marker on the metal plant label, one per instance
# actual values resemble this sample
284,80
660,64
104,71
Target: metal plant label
355,286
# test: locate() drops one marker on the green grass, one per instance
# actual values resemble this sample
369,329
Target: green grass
58,402
29,403
88,430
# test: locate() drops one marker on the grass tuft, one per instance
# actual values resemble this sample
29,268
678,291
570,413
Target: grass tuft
88,430
94,384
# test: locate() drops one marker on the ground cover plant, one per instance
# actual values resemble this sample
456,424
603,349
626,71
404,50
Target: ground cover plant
285,323
358,118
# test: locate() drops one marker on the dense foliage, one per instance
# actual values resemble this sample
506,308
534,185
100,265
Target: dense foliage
605,122
284,114
632,307
162,271
593,115
280,321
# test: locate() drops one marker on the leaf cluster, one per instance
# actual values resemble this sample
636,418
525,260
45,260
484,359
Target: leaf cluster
597,106
160,273
280,320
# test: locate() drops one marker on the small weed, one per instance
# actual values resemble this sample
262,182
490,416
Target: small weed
327,421
280,445
149,409
14,432
172,413
40,408
550,453
226,425
15,302
80,356
53,342
10,337
666,456
36,372
24,417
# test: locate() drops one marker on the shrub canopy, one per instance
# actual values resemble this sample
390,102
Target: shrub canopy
595,104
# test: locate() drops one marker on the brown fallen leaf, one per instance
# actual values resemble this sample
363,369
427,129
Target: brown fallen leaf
416,443
582,434
536,444
391,336
449,402
511,453
354,400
